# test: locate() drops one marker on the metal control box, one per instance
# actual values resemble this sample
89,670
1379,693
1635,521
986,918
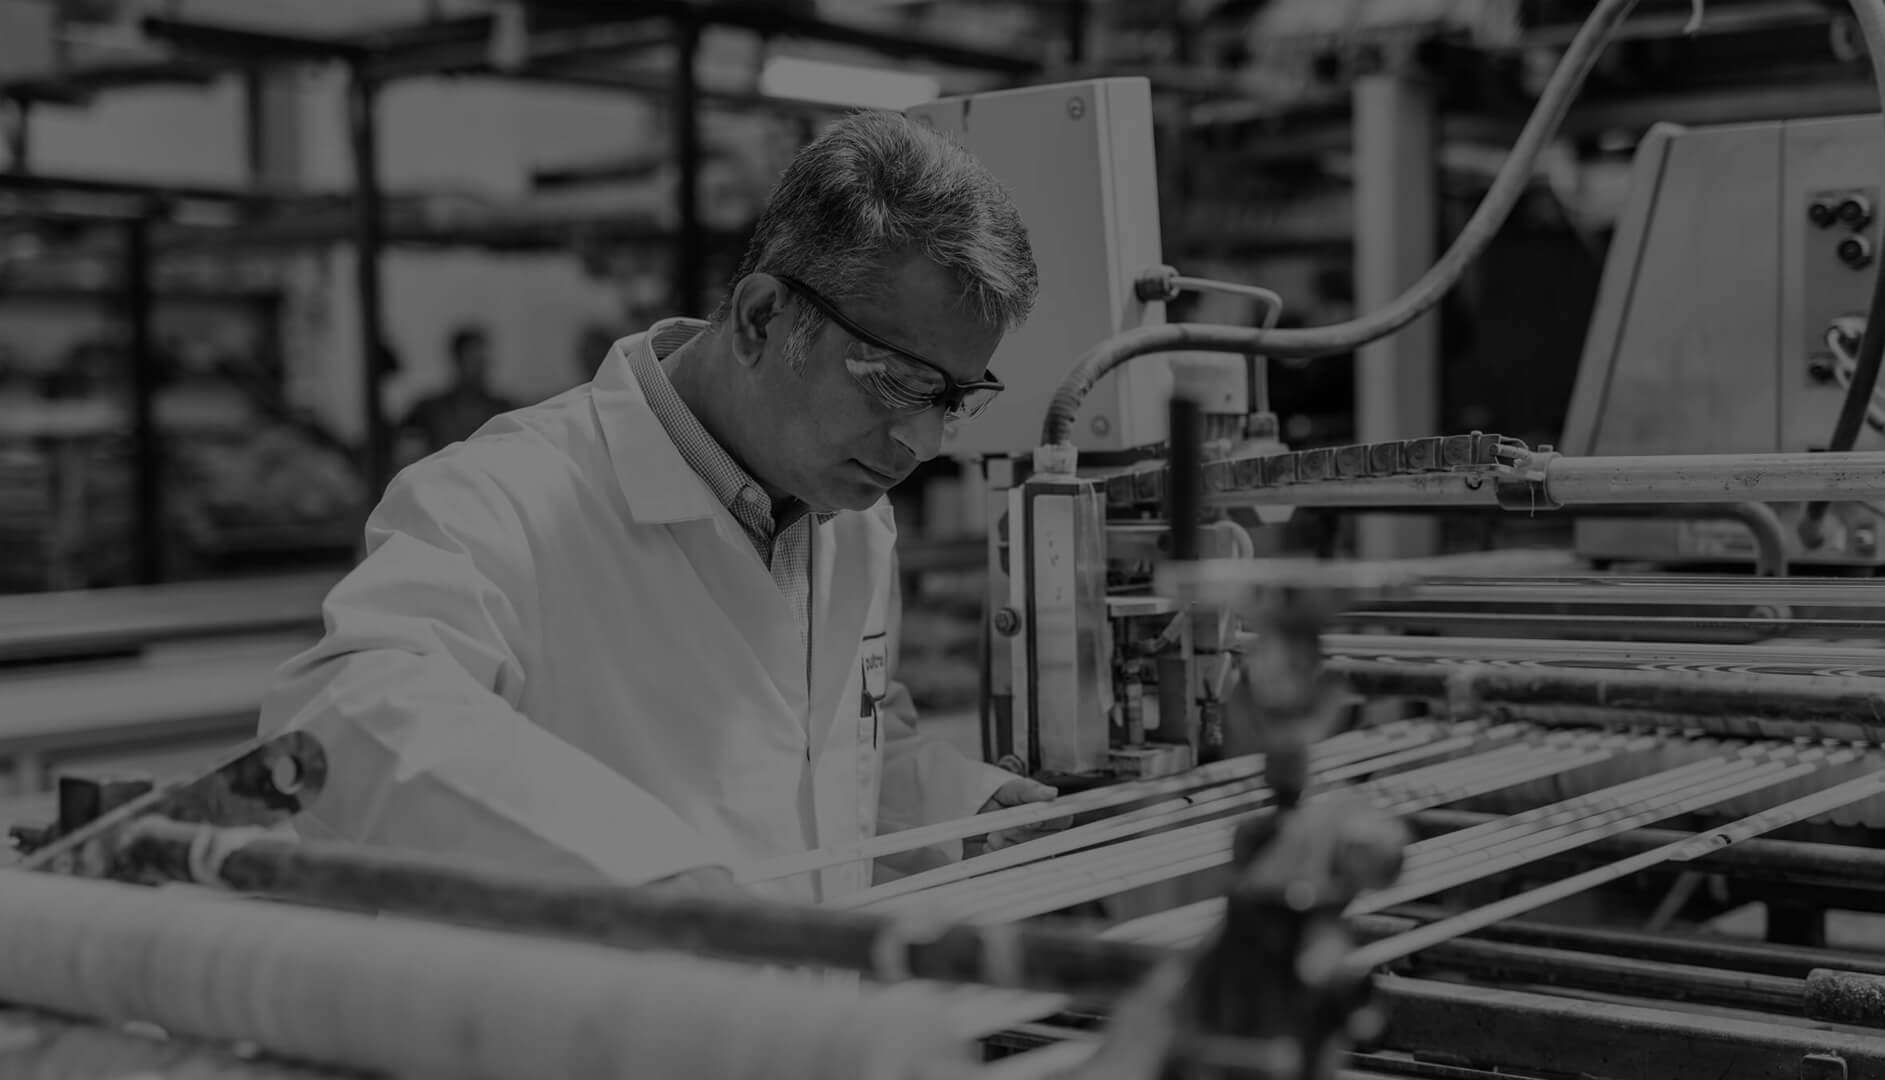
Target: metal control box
1078,159
1739,249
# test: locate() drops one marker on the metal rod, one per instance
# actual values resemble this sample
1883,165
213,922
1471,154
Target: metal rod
1796,698
1806,864
884,947
1787,813
146,437
1694,590
1424,491
369,243
1100,798
1662,980
1795,659
1206,845
1076,879
1763,958
1605,481
1528,1032
690,252
1659,628
1445,863
1731,478
1159,816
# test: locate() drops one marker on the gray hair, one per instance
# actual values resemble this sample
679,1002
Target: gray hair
877,185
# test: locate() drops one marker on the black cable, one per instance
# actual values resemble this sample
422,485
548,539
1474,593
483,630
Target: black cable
1858,403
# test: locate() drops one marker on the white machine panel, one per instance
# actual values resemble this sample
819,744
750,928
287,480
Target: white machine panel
1078,159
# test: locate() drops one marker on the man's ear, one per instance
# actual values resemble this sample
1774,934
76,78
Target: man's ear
758,304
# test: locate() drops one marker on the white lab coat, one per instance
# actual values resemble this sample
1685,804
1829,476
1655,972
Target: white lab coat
561,652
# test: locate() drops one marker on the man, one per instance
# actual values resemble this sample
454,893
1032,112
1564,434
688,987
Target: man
644,630
453,414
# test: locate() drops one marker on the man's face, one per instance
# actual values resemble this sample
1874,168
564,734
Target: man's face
834,443
473,360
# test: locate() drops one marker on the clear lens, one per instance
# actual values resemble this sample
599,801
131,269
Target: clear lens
904,386
898,384
972,403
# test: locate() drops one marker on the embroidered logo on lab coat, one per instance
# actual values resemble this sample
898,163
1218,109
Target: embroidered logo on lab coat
876,665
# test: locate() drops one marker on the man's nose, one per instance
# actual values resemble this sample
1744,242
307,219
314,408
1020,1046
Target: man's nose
920,433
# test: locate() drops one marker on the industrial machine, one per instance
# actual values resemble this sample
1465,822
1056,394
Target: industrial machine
1365,897
1779,220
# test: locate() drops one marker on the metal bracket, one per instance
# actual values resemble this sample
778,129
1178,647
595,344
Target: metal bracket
262,783
1822,1067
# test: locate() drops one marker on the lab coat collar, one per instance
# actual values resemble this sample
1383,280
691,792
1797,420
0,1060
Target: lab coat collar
659,485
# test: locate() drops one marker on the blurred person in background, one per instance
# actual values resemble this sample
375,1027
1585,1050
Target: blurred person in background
454,414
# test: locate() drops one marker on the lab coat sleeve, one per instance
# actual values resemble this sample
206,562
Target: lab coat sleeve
414,693
925,779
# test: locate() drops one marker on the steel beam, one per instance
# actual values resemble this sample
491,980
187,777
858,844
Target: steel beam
44,184
469,54
250,47
76,87
779,21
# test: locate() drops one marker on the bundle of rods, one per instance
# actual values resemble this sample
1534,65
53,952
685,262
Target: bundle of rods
966,924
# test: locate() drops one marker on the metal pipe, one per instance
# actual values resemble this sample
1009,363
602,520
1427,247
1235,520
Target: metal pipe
369,243
146,437
1716,478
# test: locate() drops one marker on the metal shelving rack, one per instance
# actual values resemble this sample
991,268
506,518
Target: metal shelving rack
203,52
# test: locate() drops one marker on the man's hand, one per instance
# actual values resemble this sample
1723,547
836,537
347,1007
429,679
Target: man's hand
1019,792
700,881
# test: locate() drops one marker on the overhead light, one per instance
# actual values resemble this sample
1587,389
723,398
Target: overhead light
845,84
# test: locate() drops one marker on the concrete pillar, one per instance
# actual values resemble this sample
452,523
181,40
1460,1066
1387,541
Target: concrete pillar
1397,380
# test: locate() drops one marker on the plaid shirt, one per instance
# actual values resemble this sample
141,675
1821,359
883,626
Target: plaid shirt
786,551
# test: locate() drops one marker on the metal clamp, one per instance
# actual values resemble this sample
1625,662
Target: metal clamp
261,784
1523,484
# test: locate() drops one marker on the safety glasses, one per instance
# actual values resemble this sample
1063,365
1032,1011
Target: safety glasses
904,383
